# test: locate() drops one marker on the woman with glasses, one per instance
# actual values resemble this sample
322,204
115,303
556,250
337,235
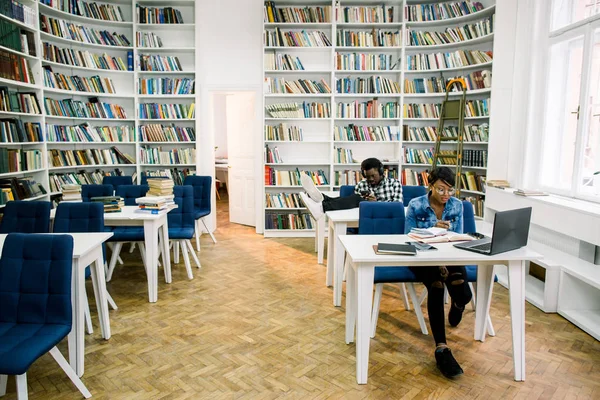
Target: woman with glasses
441,209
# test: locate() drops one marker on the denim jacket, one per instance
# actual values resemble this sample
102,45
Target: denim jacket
421,215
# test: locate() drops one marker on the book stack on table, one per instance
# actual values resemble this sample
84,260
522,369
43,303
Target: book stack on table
71,192
154,204
111,203
160,187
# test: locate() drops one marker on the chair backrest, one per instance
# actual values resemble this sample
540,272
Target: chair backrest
117,181
131,192
183,215
380,218
468,218
410,192
202,189
26,217
35,279
89,191
144,178
346,190
79,217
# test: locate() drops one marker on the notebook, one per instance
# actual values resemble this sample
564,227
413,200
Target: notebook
448,237
391,248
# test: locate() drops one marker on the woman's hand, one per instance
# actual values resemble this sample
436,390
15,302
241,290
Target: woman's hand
443,224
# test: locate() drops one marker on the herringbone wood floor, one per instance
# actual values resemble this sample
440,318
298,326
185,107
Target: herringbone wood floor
257,322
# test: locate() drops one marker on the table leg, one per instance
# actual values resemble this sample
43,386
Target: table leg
320,239
76,336
330,246
100,293
151,242
485,282
338,259
350,301
316,223
166,253
364,303
516,286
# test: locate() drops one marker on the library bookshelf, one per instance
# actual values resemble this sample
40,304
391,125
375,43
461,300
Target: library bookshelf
117,97
368,85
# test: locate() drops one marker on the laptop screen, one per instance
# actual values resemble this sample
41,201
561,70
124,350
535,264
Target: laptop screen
511,230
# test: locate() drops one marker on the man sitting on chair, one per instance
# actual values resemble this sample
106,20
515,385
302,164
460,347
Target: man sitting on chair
375,187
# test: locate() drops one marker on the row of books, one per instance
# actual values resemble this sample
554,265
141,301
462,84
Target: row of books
472,133
81,33
85,133
454,59
148,39
474,80
283,200
411,177
365,14
18,102
296,14
357,133
166,133
288,221
86,59
177,175
18,11
299,110
282,132
166,86
440,11
272,155
19,189
275,177
80,178
346,177
106,12
471,181
78,109
282,62
155,15
71,158
374,38
15,68
478,205
368,109
166,111
343,156
281,85
452,35
156,155
473,108
277,38
17,160
366,61
14,130
13,37
93,84
372,84
471,158
159,63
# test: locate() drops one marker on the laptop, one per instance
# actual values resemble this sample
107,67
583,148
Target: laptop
511,229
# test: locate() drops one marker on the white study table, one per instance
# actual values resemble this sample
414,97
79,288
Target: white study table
361,261
87,250
320,229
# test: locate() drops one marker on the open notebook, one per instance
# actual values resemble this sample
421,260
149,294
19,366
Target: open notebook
437,235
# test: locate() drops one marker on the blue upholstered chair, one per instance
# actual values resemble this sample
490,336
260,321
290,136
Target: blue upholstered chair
410,192
144,178
26,217
35,305
131,192
181,223
377,218
117,181
346,190
89,191
202,208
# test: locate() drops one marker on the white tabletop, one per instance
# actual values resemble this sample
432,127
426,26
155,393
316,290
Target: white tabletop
83,243
128,212
360,250
349,215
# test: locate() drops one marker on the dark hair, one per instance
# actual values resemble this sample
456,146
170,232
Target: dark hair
371,163
443,174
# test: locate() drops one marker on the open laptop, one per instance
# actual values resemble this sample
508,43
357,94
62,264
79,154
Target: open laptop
511,229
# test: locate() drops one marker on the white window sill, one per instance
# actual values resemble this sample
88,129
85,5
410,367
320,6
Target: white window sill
587,207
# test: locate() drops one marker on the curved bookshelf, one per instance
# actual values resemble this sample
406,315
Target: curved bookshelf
96,70
87,94
478,40
434,71
19,53
453,21
451,94
47,10
10,82
96,166
19,23
70,42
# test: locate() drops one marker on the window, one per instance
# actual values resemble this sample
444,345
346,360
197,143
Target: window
570,153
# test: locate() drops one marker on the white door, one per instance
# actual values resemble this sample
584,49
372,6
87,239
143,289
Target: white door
241,135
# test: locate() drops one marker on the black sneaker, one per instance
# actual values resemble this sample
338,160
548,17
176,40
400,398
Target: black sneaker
446,363
455,314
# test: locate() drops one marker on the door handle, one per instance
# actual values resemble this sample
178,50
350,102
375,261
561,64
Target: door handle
576,112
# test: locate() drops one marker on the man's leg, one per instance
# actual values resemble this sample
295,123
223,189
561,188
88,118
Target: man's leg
341,203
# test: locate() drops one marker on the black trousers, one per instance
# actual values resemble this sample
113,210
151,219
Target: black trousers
341,203
460,294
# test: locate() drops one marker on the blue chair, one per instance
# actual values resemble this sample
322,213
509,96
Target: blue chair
131,192
346,190
202,208
35,305
117,181
377,218
410,192
89,191
181,223
144,179
26,217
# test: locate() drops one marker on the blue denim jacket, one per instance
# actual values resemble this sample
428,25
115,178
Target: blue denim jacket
421,215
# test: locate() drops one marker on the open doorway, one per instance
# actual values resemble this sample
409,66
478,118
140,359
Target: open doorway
235,130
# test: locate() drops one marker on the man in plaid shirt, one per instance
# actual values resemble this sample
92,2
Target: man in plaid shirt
375,187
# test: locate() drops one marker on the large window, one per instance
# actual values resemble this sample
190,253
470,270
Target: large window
570,153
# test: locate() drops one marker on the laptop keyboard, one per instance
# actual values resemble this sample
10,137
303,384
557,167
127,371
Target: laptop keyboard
483,246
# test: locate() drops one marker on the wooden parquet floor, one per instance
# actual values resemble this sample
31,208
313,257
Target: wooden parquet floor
257,322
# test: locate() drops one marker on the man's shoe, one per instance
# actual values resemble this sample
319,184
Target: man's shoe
311,188
316,209
446,363
455,314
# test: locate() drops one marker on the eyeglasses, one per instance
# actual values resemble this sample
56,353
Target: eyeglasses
441,191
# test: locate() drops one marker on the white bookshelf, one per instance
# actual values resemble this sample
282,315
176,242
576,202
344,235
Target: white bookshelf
317,150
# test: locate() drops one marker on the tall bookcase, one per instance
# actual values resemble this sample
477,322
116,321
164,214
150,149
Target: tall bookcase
387,73
127,149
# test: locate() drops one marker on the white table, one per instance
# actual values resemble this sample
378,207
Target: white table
320,229
361,261
87,250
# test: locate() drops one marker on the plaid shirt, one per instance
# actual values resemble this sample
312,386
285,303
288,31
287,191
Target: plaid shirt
389,189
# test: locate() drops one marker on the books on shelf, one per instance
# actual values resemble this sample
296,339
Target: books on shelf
283,200
18,102
106,12
366,14
277,38
456,34
156,155
472,133
368,109
282,132
19,189
74,158
299,110
79,178
14,130
19,12
456,59
373,38
343,156
346,177
78,109
473,81
166,86
411,177
93,84
272,155
155,15
13,37
440,11
472,181
155,62
356,133
166,133
303,14
85,133
366,61
84,59
299,86
275,177
373,84
177,175
471,158
166,111
282,62
81,33
478,204
18,160
288,221
148,39
473,108
15,68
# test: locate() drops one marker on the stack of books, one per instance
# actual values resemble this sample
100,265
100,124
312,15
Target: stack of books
160,187
111,203
437,235
527,193
71,192
155,204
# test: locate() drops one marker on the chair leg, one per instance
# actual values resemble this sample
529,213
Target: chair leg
209,232
131,247
86,313
405,296
186,259
22,386
446,297
110,246
54,352
490,327
193,254
111,302
375,310
3,379
113,260
418,311
473,287
197,232
422,297
176,252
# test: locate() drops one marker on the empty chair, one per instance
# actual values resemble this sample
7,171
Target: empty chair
89,191
410,192
346,190
181,224
26,217
35,305
117,181
202,207
131,192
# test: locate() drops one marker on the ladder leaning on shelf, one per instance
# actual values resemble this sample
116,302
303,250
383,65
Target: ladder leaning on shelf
452,110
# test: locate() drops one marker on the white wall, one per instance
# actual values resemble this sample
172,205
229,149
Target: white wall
220,125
